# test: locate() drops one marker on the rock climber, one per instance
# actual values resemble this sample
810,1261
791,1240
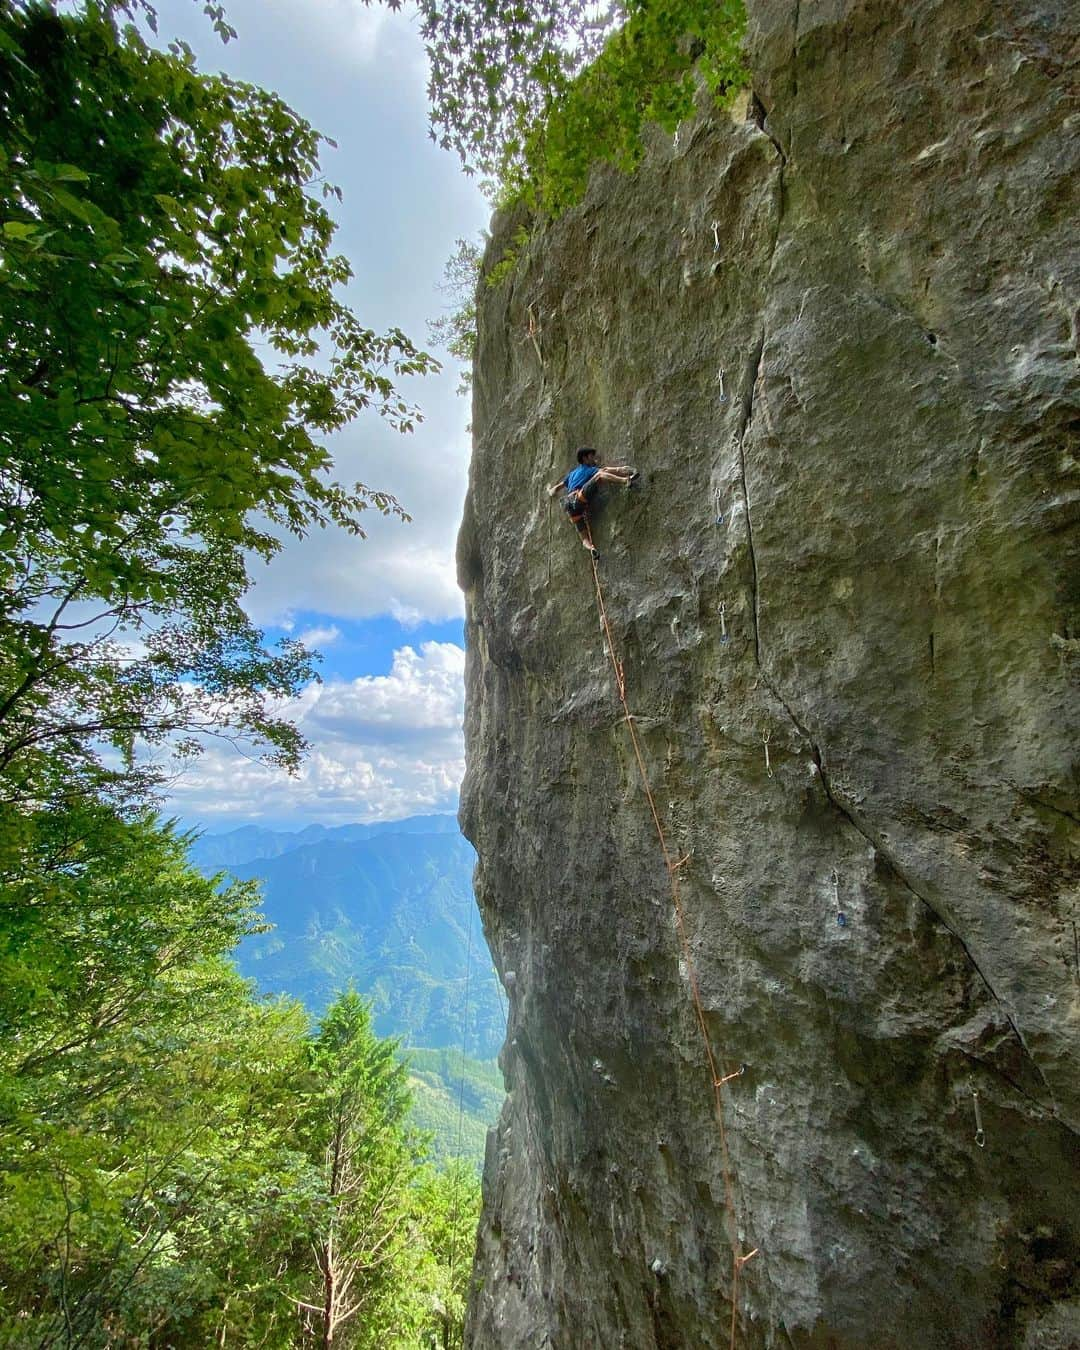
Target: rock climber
581,485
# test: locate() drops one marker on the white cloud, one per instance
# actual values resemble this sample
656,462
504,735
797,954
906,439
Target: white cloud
353,31
424,693
382,747
319,637
335,34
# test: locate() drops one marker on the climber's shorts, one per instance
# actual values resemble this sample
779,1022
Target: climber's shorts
577,505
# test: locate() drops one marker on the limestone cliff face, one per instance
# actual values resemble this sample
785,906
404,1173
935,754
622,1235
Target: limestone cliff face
863,546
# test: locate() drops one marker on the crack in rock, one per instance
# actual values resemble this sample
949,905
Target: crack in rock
754,364
753,367
899,872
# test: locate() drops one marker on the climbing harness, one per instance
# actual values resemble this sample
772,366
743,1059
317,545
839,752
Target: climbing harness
980,1133
717,1078
576,503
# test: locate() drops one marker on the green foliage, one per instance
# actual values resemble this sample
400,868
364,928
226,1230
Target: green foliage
145,1166
456,330
173,352
454,1101
647,72
363,1244
449,1203
179,1162
494,67
535,94
498,272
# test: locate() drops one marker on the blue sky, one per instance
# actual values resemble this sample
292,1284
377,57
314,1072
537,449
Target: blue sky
351,648
385,724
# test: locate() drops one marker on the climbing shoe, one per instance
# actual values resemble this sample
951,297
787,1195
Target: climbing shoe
635,479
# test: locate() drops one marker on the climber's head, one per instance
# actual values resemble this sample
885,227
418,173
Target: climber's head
586,455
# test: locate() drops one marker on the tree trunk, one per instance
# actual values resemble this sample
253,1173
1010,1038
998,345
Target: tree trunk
329,1294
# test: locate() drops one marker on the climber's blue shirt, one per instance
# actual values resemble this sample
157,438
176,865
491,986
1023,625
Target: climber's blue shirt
577,478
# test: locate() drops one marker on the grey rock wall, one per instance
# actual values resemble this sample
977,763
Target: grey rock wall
878,247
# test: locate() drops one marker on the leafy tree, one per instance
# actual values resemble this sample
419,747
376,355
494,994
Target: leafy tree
456,330
150,1183
449,1206
173,1152
364,1244
496,69
647,72
174,350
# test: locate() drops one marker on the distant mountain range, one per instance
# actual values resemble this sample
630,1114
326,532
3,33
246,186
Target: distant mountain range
211,852
387,909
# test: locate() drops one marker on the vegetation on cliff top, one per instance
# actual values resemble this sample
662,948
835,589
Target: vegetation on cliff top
535,95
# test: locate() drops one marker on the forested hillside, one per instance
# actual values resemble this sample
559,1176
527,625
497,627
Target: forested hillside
212,852
387,910
456,1101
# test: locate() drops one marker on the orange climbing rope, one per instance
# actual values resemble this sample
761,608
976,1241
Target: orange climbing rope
716,1078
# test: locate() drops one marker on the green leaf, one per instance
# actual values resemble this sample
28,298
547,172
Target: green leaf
72,205
68,173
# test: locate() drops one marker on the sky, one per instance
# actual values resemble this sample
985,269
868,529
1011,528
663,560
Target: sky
384,725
